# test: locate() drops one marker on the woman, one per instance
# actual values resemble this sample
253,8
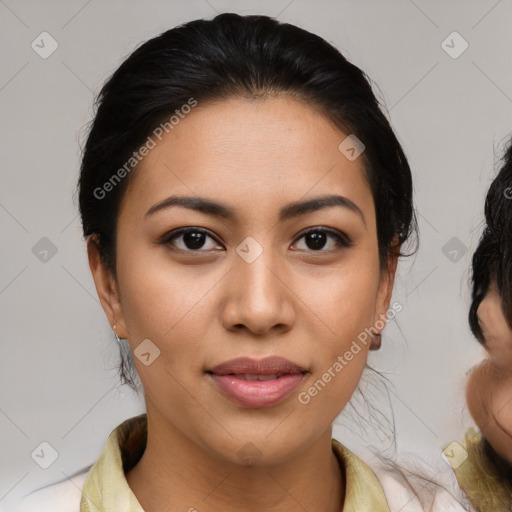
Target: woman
486,473
245,202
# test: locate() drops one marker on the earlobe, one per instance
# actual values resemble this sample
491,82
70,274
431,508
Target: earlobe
383,299
376,341
106,286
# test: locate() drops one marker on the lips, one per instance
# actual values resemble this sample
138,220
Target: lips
247,376
247,366
254,384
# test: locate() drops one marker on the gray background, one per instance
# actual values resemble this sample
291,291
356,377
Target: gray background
58,356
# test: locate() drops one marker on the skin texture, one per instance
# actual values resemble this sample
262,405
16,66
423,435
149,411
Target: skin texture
489,388
203,308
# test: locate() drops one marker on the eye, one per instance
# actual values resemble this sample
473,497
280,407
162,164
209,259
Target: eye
317,238
190,240
195,239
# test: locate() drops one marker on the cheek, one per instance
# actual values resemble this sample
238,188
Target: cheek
167,306
348,297
340,335
156,292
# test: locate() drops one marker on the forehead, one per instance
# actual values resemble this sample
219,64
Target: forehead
255,150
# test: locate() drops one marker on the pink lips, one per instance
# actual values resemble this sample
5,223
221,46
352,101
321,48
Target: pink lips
253,383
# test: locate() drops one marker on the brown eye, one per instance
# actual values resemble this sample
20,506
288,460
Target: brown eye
317,239
190,240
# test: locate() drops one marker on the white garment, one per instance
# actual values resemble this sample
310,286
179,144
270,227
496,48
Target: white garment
370,486
65,496
60,497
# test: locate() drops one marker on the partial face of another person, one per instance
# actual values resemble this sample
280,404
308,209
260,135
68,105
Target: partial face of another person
496,330
489,390
255,270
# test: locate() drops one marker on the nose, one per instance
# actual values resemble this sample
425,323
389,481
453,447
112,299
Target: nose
259,296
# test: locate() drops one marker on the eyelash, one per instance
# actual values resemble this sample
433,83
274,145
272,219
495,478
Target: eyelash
341,239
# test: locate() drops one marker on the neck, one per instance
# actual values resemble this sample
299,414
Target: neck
176,470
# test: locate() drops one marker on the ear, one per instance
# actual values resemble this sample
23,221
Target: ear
106,287
385,290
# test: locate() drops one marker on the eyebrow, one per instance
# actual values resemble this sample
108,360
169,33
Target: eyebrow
289,211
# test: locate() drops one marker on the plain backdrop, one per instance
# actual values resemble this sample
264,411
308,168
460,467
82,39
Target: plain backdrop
450,106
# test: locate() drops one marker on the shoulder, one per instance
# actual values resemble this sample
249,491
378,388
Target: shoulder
484,476
62,496
410,486
408,491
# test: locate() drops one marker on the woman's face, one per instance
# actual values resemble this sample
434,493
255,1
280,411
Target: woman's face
489,388
495,329
253,278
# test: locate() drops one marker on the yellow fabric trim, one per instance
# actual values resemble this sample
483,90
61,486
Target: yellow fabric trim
106,488
363,491
479,478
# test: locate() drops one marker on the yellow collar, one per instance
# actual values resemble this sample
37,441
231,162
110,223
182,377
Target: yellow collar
479,476
106,488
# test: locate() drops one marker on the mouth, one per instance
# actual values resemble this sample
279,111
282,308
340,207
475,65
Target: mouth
253,377
257,384
268,366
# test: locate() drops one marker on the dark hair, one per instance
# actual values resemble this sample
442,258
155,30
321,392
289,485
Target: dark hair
237,56
492,261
